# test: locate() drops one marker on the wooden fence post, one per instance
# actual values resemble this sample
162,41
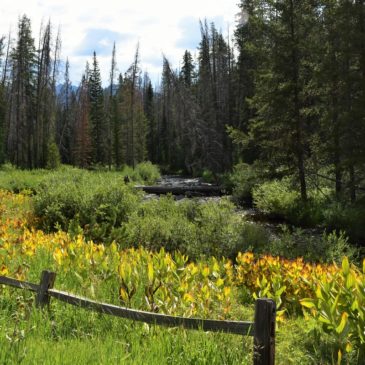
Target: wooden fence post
264,338
47,281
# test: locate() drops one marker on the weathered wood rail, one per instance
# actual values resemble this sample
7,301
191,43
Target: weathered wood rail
183,190
262,329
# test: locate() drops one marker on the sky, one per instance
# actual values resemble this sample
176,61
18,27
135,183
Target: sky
160,26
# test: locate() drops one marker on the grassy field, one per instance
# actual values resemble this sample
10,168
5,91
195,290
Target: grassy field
168,282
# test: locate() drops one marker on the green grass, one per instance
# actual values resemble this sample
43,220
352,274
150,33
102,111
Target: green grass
70,335
16,180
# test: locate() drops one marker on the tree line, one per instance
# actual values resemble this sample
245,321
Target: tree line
286,94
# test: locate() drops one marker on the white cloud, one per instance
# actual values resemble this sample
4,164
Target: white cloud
158,25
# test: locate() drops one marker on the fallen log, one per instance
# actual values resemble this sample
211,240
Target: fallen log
183,190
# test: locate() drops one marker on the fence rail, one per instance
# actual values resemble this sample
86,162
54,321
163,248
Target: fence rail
262,329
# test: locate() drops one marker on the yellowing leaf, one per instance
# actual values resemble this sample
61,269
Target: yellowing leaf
188,297
206,271
220,282
226,291
150,272
341,326
339,357
308,303
123,294
345,266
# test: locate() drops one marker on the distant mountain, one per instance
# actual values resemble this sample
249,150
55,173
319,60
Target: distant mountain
60,86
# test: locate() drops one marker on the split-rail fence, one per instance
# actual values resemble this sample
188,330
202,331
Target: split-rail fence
262,329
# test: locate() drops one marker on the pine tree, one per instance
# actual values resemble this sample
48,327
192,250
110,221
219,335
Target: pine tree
148,107
82,147
21,135
132,115
118,124
2,105
112,117
64,119
187,73
283,97
45,108
97,115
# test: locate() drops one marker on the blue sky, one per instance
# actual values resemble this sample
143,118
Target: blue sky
160,26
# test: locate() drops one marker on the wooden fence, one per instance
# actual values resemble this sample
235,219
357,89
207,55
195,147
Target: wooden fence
262,329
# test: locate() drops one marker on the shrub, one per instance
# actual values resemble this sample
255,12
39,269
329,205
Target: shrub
276,198
280,199
161,223
144,172
339,216
218,229
243,179
312,246
196,229
209,177
99,206
253,237
53,157
337,303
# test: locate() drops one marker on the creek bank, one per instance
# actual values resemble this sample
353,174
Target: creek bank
195,188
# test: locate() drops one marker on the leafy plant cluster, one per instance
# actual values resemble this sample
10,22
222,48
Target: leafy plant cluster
280,199
338,304
86,203
171,283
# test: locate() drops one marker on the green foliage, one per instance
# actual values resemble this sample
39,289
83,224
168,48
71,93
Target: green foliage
243,179
312,246
146,172
208,176
276,198
280,199
17,180
210,229
161,223
219,229
348,217
254,237
53,157
339,305
98,204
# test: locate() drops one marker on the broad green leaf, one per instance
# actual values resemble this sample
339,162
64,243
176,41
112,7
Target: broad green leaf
350,280
324,318
334,305
355,305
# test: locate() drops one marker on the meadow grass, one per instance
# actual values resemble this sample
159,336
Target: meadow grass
69,335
